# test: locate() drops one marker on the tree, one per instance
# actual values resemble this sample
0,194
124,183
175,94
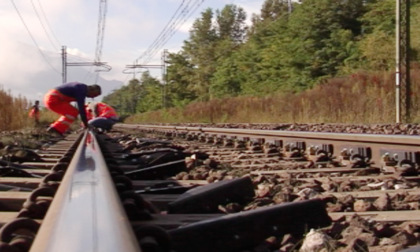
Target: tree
179,88
271,11
226,80
320,33
262,56
379,36
200,50
283,50
231,31
151,96
125,99
230,22
209,45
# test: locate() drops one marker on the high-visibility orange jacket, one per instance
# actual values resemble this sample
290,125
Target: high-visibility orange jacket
59,100
34,112
101,109
89,114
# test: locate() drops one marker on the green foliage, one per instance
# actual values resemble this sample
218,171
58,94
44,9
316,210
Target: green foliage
125,99
152,94
136,97
415,28
321,30
380,16
285,51
180,90
210,44
200,51
379,37
225,81
358,98
231,24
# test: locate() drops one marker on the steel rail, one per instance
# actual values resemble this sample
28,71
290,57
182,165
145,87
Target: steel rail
378,144
86,213
405,140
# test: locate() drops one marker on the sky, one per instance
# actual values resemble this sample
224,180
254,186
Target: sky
33,33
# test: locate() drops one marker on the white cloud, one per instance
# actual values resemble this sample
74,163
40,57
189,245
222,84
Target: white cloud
131,27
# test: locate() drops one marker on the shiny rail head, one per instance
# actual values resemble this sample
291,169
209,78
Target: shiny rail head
86,214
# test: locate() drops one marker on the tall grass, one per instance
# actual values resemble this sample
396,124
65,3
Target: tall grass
359,98
14,113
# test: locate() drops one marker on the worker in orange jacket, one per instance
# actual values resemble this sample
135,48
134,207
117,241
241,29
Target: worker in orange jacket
34,112
101,115
59,98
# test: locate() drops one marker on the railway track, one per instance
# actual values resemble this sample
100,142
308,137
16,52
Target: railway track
163,188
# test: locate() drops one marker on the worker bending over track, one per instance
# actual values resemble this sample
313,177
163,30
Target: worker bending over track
101,115
59,98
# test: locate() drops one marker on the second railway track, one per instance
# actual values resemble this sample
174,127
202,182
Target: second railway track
208,189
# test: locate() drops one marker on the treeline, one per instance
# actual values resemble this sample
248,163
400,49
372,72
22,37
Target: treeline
283,52
356,99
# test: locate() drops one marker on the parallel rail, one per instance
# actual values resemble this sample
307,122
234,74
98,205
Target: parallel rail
87,212
378,150
403,149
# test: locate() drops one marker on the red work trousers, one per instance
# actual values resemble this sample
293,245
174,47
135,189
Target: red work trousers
60,104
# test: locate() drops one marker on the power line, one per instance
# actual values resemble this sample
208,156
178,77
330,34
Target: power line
169,30
182,18
55,46
97,64
33,39
164,29
79,57
65,64
47,22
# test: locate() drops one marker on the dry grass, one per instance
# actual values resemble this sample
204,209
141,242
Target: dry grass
359,98
14,114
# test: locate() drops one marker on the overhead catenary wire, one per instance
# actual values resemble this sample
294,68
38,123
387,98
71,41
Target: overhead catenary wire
164,29
56,44
98,50
174,27
179,18
89,73
33,39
